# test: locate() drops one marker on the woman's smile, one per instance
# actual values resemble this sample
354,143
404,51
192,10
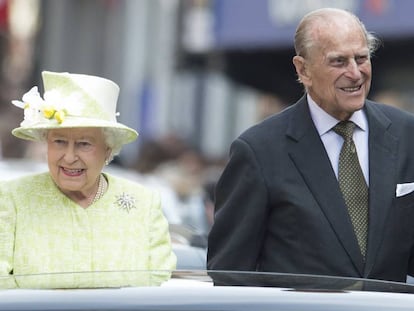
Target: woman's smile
72,172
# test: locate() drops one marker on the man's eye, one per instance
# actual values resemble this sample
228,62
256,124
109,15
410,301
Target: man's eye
361,59
338,61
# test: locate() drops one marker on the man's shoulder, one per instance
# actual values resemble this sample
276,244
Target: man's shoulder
394,118
274,125
389,110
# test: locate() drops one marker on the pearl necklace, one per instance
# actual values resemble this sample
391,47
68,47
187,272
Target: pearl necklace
101,189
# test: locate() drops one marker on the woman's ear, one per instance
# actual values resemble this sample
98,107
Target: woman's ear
302,70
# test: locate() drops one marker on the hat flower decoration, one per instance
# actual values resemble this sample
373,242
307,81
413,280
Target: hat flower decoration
71,101
54,107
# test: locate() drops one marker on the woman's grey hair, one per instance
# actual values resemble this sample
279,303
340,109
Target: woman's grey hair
304,39
112,142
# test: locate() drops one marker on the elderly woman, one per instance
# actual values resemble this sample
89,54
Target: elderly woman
75,218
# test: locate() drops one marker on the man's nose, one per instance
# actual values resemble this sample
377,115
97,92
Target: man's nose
353,71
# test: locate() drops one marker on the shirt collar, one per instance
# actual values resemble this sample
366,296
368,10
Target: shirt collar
324,122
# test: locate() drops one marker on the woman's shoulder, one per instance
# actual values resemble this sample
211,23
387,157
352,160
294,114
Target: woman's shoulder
29,186
30,180
126,184
130,194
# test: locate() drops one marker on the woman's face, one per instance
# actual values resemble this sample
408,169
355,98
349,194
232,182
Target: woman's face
75,158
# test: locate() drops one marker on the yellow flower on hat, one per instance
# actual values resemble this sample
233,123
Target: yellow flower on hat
49,112
60,116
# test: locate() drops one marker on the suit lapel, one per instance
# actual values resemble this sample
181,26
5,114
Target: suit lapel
382,159
308,153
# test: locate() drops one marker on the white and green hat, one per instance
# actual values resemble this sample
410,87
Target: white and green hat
71,101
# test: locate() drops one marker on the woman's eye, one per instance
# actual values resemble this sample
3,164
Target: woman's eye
84,145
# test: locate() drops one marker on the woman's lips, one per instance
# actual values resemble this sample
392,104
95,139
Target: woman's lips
72,172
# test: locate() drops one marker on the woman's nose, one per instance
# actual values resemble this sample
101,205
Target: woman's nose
71,154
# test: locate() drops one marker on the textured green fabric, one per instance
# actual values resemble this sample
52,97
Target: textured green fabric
85,105
43,231
352,183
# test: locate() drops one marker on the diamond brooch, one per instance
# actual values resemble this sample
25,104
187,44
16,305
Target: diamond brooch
125,202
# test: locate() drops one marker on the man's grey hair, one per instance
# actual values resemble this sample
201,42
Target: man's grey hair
304,39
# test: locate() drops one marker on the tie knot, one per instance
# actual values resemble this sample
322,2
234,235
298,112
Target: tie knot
345,129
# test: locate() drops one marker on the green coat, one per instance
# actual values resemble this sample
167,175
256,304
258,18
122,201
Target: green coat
43,231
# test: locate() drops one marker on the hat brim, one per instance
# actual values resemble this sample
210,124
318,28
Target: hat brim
34,132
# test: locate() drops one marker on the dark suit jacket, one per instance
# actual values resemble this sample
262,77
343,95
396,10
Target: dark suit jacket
279,207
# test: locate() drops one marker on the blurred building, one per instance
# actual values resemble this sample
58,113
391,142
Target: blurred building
256,41
251,45
202,70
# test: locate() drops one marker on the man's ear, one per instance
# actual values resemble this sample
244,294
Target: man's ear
301,70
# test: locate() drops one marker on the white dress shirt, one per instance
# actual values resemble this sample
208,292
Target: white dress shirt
324,123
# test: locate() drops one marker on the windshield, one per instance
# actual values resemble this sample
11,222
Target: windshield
111,279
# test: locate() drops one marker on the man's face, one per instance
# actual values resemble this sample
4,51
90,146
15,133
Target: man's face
338,70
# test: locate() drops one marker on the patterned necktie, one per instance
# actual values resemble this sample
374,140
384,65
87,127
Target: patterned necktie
352,183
